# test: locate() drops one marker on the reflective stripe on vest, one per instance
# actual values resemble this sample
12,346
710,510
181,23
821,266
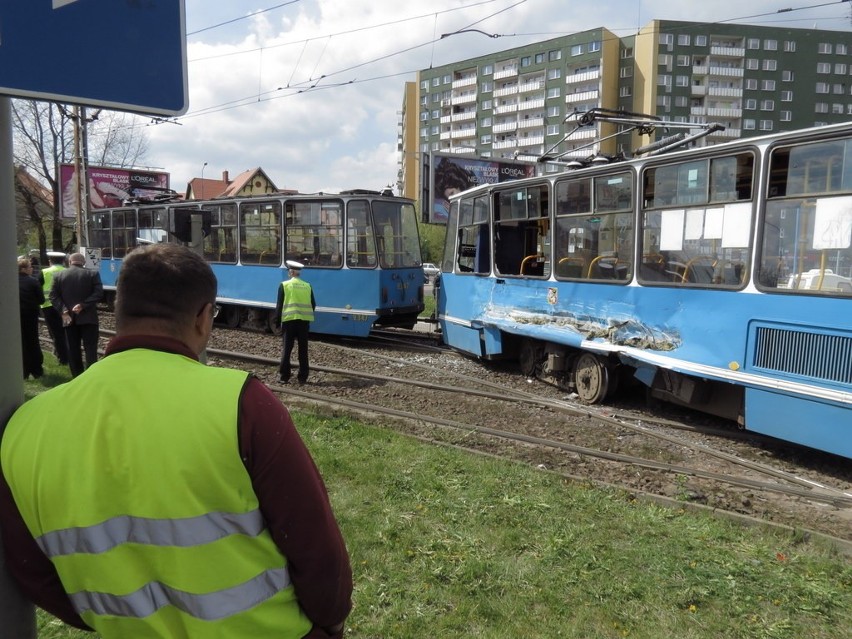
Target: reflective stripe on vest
297,301
144,505
48,273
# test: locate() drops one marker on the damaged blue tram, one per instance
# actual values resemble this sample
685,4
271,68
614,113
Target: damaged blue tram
720,277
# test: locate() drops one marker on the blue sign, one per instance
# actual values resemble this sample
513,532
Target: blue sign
127,55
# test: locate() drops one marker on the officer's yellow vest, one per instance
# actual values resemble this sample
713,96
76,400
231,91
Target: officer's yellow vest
297,301
48,273
130,479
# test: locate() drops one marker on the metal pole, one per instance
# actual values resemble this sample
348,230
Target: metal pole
17,617
85,197
78,174
203,166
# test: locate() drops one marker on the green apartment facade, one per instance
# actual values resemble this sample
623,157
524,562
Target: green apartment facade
516,104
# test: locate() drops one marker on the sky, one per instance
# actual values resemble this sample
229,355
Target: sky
311,90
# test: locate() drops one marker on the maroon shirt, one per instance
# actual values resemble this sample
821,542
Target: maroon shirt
289,489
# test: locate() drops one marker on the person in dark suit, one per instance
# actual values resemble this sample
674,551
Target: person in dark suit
31,298
75,294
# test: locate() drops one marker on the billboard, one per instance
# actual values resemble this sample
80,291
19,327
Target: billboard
449,174
108,187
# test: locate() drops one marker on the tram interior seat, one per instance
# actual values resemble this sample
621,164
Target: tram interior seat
607,267
574,267
532,265
653,268
700,270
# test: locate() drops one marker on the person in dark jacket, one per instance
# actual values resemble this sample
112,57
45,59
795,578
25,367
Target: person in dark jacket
75,294
31,299
156,496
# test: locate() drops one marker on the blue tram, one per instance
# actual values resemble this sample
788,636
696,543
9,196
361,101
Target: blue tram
361,252
719,277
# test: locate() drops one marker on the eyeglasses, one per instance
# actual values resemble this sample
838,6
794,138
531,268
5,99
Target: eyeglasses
214,309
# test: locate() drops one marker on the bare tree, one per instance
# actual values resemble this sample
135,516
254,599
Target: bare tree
43,136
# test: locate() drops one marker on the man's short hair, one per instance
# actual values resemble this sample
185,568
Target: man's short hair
77,258
23,264
164,281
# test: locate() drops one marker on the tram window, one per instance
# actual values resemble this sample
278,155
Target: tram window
260,233
314,230
806,246
808,169
124,232
152,225
450,238
731,178
397,242
220,244
474,248
594,228
522,231
99,233
360,240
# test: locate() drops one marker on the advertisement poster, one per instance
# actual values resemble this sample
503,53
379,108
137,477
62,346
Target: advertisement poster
453,174
108,188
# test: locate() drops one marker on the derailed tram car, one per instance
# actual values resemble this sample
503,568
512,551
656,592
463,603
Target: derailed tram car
720,277
360,249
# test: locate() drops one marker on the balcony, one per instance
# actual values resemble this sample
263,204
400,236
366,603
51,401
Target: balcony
506,144
583,77
726,72
531,140
465,98
505,126
725,93
462,149
698,90
462,117
464,82
513,90
716,112
526,87
505,108
584,96
727,134
466,132
525,105
531,122
727,52
506,73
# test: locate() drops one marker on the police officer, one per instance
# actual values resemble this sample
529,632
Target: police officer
52,318
295,311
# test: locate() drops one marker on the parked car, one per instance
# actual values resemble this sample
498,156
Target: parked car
430,271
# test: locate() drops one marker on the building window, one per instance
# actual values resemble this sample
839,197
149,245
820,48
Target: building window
625,92
485,139
753,43
424,115
436,97
840,49
555,92
789,46
821,87
424,100
553,56
767,105
682,81
625,72
553,129
683,40
424,84
576,49
823,67
840,68
539,58
626,53
594,46
486,104
748,125
837,109
766,125
752,64
750,104
485,122
787,76
664,101
823,47
821,107
770,45
786,116
435,130
487,87
553,74
436,113
751,84
664,80
701,41
786,96
665,60
554,111
683,61
770,65
767,85
838,89
448,79
667,39
526,61
487,69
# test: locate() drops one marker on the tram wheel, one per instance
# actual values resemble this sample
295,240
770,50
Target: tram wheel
530,356
230,315
591,378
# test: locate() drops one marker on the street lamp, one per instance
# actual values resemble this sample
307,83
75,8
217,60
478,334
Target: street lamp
202,179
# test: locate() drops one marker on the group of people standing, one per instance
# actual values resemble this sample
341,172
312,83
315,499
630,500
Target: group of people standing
67,297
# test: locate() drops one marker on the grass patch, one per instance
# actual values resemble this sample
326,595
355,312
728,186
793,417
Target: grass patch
449,544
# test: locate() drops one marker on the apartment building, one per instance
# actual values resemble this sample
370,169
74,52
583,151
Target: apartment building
518,103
